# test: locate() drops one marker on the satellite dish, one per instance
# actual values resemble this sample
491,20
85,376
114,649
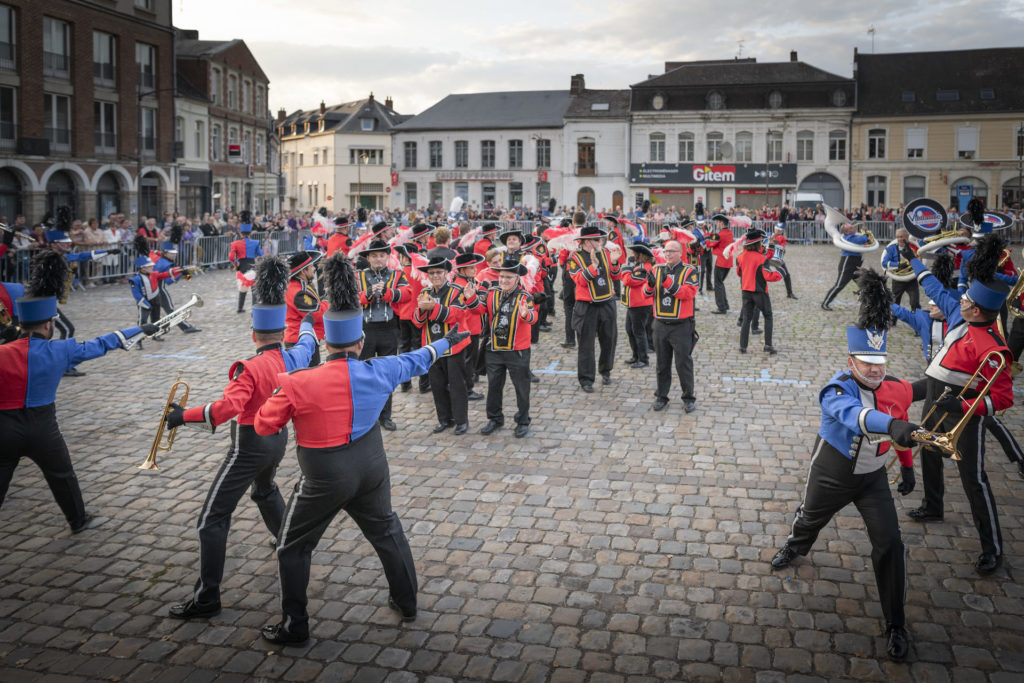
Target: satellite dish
727,151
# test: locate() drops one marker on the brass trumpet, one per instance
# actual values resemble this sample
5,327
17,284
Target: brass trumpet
1013,298
162,443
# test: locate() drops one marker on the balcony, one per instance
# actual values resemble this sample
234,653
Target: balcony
584,169
106,143
7,57
8,135
60,139
56,65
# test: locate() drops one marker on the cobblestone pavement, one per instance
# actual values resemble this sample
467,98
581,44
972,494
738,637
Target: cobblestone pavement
614,543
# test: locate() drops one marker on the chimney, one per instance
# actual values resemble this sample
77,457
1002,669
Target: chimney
792,55
388,104
282,114
576,85
189,34
370,101
322,108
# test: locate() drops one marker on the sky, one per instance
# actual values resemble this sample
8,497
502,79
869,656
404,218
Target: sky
418,52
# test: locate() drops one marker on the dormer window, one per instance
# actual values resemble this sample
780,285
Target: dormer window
716,100
838,98
293,129
774,99
367,124
305,127
320,128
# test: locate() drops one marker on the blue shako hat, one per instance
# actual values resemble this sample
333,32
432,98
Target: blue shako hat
45,283
268,293
990,295
866,340
343,322
142,262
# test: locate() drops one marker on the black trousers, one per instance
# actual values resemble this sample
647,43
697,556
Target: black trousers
911,289
167,303
33,433
721,300
707,270
1015,338
380,339
250,464
151,314
354,478
781,267
674,339
754,303
549,291
594,322
517,365
568,297
409,339
638,323
63,328
473,360
448,385
1010,446
831,486
972,475
847,266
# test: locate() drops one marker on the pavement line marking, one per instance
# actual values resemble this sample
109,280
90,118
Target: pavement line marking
178,356
550,370
766,378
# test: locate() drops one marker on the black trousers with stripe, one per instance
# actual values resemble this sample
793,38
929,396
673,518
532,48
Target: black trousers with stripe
380,339
847,266
831,486
409,339
638,331
251,463
721,298
754,302
674,341
594,322
517,366
1010,446
354,478
448,386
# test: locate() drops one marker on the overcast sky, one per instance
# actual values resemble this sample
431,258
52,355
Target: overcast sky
417,52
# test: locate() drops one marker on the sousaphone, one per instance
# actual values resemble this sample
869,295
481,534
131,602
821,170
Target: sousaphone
927,220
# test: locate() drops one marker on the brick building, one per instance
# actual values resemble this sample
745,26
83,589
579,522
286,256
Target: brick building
70,134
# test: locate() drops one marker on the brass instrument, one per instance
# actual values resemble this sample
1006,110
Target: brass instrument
939,240
187,272
833,220
903,272
162,443
1013,298
5,316
6,228
168,321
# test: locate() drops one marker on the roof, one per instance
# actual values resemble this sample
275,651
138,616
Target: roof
345,117
199,48
489,110
738,72
599,104
948,82
185,88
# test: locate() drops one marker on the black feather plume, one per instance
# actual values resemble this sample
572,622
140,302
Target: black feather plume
943,269
985,262
48,275
63,218
176,233
875,301
245,216
141,245
272,275
342,289
976,210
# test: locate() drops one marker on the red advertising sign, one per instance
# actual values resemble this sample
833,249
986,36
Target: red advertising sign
673,190
758,191
542,176
394,179
235,154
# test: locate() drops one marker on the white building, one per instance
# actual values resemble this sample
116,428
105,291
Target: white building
191,135
338,157
499,149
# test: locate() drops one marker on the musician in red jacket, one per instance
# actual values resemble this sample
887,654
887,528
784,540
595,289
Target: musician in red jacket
482,245
473,295
593,317
754,278
673,286
510,314
302,298
723,264
408,333
639,312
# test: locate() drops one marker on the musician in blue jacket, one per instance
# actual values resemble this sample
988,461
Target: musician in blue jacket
849,262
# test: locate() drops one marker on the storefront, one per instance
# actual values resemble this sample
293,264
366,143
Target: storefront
714,185
194,197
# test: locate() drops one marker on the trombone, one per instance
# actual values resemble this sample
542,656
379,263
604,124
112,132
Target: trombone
164,442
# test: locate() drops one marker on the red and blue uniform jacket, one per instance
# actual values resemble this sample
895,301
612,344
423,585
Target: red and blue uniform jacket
252,381
145,288
301,299
244,253
855,421
753,276
31,367
634,289
340,401
1008,274
592,274
448,310
9,293
507,329
673,291
931,331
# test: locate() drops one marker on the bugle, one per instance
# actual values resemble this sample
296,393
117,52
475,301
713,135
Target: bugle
160,441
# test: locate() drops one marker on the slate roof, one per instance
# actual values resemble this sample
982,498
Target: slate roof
344,118
490,110
883,80
738,72
582,106
198,48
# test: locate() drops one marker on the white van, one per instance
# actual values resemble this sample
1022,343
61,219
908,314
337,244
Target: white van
810,200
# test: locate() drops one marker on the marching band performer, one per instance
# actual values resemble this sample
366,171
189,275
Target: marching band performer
302,299
778,246
465,279
334,408
510,314
408,334
568,295
9,324
484,244
593,316
639,311
252,459
706,240
672,287
243,255
861,408
754,279
145,286
163,261
972,334
723,264
900,250
339,238
848,264
380,289
31,368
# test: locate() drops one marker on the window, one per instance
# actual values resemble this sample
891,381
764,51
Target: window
586,163
215,143
215,87
410,195
259,109
913,188
805,146
716,100
233,142
324,157
515,195
988,94
145,63
543,193
233,93
105,126
774,99
410,154
1020,143
876,143
744,146
320,125
966,142
876,190
837,145
247,147
462,190
487,153
434,151
436,196
370,157
8,125
908,96
144,4
838,98
543,153
56,48
301,160
915,139
947,95
685,147
488,195
179,129
148,129
316,158
515,153
57,121
461,154
657,142
367,124
104,52
774,147
246,96
7,38
714,146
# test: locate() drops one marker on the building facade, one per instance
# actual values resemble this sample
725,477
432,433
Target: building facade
338,157
946,125
494,150
191,132
740,133
86,108
595,149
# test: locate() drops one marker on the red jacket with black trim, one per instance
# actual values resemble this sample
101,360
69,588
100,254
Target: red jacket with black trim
473,300
592,274
718,244
447,311
673,290
521,316
301,299
753,276
634,286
